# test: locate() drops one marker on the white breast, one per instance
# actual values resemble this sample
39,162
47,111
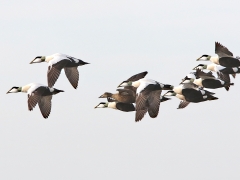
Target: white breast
112,105
212,67
181,97
178,89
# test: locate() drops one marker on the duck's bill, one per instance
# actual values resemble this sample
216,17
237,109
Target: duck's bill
36,60
102,96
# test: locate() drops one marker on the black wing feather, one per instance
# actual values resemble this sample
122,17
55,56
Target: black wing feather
221,50
137,76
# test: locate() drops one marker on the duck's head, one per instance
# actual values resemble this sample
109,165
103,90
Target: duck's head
15,89
200,66
187,80
190,75
102,105
163,98
170,93
105,95
125,83
38,59
56,91
204,57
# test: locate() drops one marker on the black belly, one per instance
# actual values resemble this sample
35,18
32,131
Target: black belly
192,95
72,64
42,91
211,83
153,87
229,62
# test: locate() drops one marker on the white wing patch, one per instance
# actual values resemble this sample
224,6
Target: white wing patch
235,69
144,83
33,87
56,59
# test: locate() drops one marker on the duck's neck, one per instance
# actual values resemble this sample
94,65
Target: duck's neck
48,58
25,88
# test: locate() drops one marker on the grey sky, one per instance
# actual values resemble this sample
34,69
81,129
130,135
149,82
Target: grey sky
119,39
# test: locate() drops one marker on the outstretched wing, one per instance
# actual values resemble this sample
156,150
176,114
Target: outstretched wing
32,101
45,105
221,50
126,92
154,103
141,100
72,75
183,104
137,76
140,114
35,97
54,71
203,75
224,77
141,105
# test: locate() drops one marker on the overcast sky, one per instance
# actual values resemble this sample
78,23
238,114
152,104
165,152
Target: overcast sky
118,39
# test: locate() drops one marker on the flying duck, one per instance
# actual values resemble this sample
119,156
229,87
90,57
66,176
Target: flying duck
224,58
218,68
38,94
122,95
126,107
178,89
209,83
56,63
191,95
199,74
147,96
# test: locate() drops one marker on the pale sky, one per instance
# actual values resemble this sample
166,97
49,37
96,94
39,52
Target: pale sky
118,39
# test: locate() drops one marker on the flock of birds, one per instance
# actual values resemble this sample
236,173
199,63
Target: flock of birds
138,93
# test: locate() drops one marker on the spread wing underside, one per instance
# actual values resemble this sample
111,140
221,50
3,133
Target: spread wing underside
54,72
72,75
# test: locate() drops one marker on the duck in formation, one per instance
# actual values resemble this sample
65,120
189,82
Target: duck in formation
224,57
38,94
148,96
56,63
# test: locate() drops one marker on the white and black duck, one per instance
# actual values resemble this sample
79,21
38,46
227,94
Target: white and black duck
224,57
56,63
38,94
148,96
191,95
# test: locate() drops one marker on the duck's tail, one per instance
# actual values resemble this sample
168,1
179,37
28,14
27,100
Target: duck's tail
227,86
